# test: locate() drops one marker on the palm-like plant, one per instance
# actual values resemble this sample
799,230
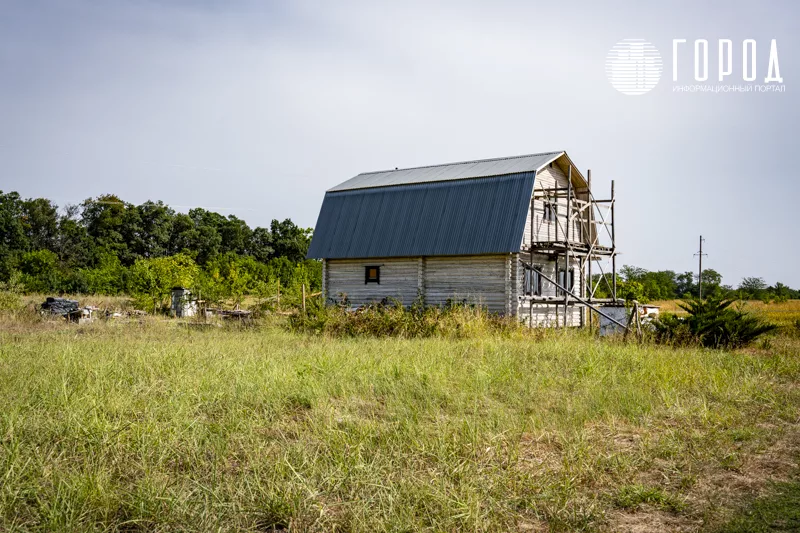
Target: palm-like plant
713,323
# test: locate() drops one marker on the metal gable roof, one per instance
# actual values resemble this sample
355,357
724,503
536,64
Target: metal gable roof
450,171
448,216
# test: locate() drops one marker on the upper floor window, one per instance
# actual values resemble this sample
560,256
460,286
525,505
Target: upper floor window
549,212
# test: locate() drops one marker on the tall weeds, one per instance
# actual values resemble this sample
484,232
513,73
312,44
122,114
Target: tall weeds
393,320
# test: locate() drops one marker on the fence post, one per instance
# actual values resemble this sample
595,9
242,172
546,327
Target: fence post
304,298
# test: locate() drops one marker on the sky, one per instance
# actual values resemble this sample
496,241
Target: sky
256,108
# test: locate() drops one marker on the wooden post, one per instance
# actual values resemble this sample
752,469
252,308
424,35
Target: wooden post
324,282
507,285
590,228
631,318
583,294
278,304
634,319
566,244
421,266
304,298
533,228
613,244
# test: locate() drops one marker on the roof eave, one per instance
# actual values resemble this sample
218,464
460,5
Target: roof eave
575,170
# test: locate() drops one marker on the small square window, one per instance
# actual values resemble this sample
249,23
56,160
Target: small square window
372,274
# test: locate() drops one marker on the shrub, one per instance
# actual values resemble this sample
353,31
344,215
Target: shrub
10,301
712,323
40,271
151,280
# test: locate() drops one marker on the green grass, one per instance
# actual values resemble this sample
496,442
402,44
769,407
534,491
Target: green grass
777,511
632,496
154,427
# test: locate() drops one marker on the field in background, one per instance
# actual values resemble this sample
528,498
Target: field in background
155,425
782,313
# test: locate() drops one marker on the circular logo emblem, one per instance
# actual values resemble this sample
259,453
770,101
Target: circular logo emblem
633,66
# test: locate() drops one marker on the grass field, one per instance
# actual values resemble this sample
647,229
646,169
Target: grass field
782,313
154,426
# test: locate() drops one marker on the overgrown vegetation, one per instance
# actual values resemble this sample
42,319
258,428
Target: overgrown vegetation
634,283
391,319
107,246
712,322
147,426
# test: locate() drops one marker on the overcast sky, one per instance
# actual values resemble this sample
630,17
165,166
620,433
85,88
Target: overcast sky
255,108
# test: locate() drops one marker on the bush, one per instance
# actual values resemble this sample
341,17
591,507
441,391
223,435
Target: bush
10,301
40,271
712,323
391,319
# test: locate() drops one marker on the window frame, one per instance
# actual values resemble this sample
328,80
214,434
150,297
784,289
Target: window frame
532,281
369,279
549,212
566,280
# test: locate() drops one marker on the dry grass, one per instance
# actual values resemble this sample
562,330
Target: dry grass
781,313
152,426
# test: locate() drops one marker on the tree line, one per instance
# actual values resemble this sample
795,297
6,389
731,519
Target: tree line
105,245
634,283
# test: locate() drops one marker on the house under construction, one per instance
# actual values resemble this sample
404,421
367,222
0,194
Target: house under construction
523,236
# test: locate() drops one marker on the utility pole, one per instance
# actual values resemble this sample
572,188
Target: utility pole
700,255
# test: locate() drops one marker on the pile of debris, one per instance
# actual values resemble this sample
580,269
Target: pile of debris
69,309
60,306
236,314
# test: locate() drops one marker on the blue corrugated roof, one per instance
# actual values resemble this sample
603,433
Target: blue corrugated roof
450,217
450,171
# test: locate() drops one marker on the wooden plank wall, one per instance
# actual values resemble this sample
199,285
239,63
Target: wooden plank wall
475,279
551,231
545,315
398,280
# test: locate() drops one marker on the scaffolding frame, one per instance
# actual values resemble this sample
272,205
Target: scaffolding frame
595,218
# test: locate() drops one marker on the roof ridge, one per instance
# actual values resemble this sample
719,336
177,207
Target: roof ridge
462,162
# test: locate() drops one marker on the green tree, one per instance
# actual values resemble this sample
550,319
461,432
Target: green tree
40,272
74,246
105,219
289,240
150,229
12,233
752,288
685,285
261,245
712,283
151,280
40,223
